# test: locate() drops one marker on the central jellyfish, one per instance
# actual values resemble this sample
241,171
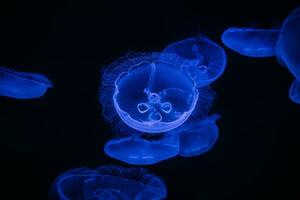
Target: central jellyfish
148,96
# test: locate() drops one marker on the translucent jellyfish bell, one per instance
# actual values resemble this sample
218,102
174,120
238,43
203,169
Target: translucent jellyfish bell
209,58
150,92
294,92
251,42
21,85
198,137
108,183
143,149
288,44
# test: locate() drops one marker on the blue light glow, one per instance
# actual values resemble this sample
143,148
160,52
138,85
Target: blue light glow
21,85
251,42
295,92
109,183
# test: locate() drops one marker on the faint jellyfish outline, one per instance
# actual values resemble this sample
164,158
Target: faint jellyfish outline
294,92
23,85
112,182
208,58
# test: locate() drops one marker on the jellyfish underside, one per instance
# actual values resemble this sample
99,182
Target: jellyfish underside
154,97
294,92
251,42
197,137
109,183
207,60
143,149
20,85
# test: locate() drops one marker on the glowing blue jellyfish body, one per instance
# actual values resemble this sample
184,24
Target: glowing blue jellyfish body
287,48
149,92
143,149
294,92
198,137
251,42
209,58
146,96
21,85
109,183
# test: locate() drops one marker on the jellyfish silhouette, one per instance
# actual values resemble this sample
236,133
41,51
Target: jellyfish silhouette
287,49
295,91
198,137
109,183
208,57
143,149
283,43
22,85
251,42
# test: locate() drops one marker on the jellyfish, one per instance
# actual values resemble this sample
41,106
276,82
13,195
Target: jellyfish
287,48
251,42
23,85
149,92
294,92
198,137
143,149
208,57
109,183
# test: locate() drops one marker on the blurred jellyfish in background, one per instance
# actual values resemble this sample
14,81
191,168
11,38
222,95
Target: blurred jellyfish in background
295,91
147,96
108,183
283,43
23,85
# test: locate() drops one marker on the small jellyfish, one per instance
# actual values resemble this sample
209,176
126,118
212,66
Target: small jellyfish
287,49
108,183
208,58
21,85
294,92
143,149
149,92
251,42
198,137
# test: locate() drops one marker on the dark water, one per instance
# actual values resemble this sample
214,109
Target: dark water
257,153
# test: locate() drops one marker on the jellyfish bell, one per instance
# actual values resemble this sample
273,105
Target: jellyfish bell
143,149
294,92
149,92
198,137
251,42
208,58
287,48
23,85
108,182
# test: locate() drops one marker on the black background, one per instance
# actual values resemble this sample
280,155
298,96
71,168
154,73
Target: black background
257,153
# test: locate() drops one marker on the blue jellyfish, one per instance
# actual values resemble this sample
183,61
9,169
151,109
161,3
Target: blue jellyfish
143,149
108,183
146,96
198,137
251,42
295,91
21,85
149,92
287,49
208,57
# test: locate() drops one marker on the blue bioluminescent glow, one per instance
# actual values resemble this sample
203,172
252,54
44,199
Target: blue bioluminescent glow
149,92
143,149
21,85
283,43
295,91
198,137
148,98
108,183
208,57
288,43
251,42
